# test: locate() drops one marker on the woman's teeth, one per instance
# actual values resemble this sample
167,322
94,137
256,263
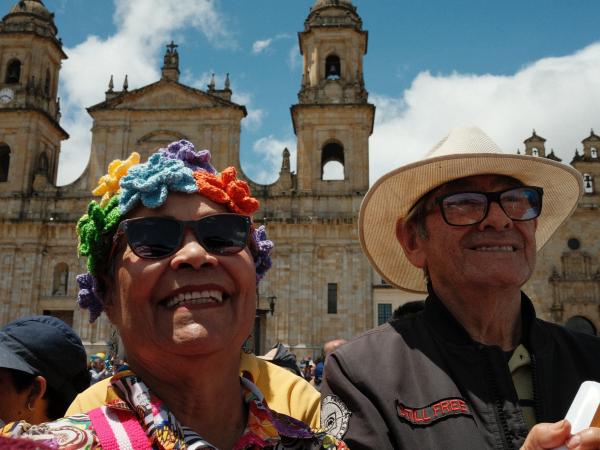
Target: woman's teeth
195,298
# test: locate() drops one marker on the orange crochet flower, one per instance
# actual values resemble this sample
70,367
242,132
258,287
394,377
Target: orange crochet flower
226,189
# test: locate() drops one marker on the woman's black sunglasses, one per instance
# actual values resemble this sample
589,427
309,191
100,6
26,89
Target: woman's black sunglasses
159,237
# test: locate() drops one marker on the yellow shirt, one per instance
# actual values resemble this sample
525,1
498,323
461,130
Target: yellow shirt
284,392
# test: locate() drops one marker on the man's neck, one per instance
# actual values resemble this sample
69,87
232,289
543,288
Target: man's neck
490,316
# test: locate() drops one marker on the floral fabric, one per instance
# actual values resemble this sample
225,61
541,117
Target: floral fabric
265,429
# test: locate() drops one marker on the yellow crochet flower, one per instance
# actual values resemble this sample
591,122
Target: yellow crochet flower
108,185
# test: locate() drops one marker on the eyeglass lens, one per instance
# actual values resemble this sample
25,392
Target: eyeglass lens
158,237
468,208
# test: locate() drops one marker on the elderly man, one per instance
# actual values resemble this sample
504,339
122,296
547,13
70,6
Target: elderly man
475,369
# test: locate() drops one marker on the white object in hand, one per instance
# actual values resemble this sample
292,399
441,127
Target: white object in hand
584,412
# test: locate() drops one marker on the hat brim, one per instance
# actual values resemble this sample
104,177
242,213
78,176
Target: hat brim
392,196
9,360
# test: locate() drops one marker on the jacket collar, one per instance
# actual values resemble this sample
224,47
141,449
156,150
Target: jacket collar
445,324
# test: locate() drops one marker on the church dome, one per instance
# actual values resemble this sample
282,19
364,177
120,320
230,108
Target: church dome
324,3
32,7
30,15
333,13
319,3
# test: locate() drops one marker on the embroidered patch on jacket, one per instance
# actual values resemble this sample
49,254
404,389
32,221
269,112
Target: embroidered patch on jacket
427,415
334,416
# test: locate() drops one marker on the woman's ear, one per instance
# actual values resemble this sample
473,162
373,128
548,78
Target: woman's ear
36,403
411,242
38,388
107,292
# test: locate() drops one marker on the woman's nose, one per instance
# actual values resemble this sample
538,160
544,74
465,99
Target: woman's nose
192,254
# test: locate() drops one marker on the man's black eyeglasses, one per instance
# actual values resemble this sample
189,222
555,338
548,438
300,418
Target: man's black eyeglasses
470,208
159,237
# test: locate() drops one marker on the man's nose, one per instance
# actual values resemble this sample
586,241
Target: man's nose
496,218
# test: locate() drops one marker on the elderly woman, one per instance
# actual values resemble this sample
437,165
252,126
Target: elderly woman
173,260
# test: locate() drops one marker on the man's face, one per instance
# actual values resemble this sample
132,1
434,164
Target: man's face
98,364
497,252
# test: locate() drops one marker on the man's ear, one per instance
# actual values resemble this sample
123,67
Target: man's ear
411,243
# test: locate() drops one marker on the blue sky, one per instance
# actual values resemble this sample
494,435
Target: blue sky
431,65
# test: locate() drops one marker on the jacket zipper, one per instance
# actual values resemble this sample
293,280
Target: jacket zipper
500,416
537,404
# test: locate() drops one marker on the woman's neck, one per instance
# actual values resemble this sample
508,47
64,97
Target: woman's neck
203,393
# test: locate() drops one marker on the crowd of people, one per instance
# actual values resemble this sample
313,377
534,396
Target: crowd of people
174,258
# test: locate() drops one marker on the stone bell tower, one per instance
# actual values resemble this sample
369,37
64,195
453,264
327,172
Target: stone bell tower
30,134
333,119
320,288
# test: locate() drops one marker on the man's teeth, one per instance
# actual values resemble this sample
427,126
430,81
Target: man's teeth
498,248
195,298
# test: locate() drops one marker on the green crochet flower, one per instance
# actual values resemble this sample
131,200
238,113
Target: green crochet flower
95,230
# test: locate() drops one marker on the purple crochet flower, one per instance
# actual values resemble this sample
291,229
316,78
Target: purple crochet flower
184,151
262,261
88,297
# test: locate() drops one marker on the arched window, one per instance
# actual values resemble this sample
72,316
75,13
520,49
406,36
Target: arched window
535,151
47,83
333,69
594,152
581,324
61,279
588,183
42,166
332,162
4,162
13,72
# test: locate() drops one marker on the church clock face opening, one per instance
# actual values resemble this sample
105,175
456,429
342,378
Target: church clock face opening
6,95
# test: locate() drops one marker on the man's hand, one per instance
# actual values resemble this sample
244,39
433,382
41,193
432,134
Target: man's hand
551,435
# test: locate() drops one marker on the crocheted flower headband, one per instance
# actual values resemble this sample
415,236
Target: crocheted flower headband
177,168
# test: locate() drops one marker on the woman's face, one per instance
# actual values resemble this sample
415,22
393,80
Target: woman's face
214,296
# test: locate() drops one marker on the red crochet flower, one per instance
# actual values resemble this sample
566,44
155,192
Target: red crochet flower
226,189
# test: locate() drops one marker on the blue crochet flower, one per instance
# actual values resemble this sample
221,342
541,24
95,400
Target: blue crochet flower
88,297
184,151
151,182
262,261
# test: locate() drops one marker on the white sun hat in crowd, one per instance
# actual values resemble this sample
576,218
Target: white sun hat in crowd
464,152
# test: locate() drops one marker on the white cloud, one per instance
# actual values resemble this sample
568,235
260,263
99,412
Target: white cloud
294,57
268,151
261,46
255,117
559,97
143,28
266,45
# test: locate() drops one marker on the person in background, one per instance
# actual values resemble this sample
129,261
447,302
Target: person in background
174,260
42,368
476,369
317,372
330,346
321,361
98,370
281,356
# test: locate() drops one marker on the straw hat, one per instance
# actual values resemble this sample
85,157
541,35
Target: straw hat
463,153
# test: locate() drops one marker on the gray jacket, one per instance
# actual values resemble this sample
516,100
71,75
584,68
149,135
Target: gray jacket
422,383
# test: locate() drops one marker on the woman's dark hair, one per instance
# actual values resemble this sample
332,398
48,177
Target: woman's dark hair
57,403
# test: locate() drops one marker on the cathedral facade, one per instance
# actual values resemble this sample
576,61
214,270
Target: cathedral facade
321,286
